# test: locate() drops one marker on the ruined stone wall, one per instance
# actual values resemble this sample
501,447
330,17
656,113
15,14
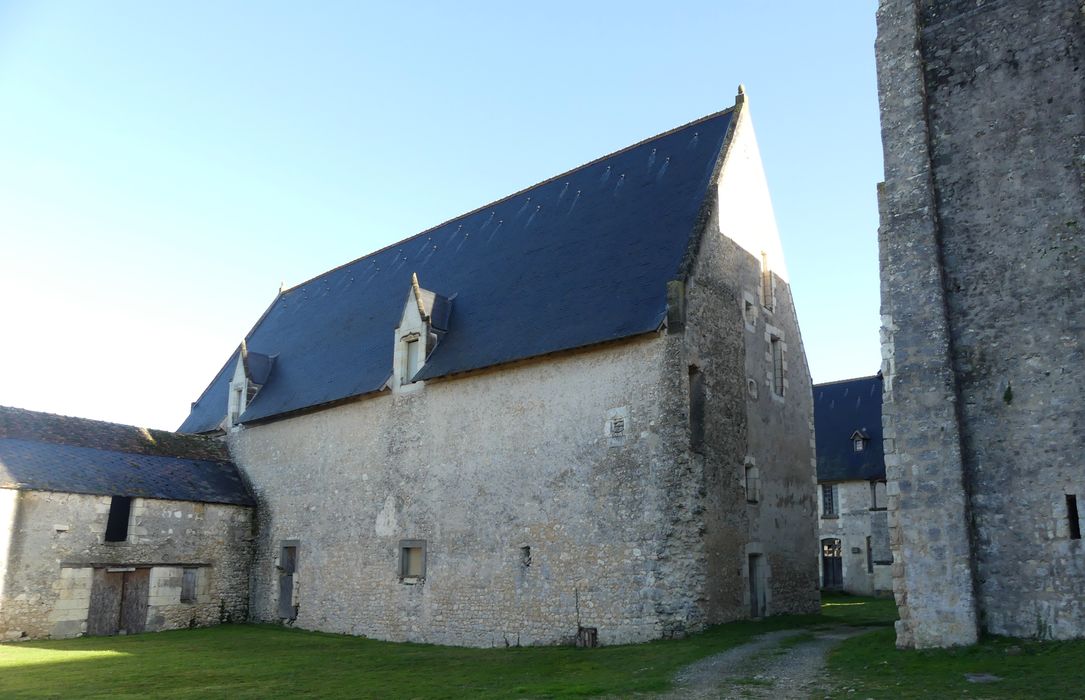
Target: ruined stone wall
729,334
983,116
57,541
480,467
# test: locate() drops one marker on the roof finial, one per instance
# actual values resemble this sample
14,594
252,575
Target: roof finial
244,348
281,286
740,98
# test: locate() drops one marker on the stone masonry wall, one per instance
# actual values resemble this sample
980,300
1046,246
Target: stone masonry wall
479,468
983,111
853,523
57,541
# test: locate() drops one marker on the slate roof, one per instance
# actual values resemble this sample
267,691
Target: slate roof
841,409
579,259
47,452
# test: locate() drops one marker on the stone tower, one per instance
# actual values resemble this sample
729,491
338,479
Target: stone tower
983,338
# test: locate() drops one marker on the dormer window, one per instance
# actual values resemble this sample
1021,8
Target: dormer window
250,373
859,440
422,324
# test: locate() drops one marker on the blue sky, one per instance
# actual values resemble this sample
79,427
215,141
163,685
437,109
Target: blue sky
165,166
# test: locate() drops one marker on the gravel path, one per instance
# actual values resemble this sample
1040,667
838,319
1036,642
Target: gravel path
779,665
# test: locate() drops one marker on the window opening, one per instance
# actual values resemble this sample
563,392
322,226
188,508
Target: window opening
753,484
188,585
877,495
1071,512
777,366
525,557
869,556
116,529
828,500
696,408
412,559
858,444
410,359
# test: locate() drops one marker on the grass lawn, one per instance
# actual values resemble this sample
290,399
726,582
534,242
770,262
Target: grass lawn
265,661
870,666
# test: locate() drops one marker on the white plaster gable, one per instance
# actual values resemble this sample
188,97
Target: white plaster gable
411,341
745,206
237,398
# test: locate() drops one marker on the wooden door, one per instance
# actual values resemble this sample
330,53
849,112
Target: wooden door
757,587
104,616
288,563
832,564
118,602
134,601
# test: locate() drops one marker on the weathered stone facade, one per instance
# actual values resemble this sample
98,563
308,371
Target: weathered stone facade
605,488
983,119
860,523
55,542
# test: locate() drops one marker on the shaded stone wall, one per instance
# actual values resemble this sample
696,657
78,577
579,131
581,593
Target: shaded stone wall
729,331
983,116
56,541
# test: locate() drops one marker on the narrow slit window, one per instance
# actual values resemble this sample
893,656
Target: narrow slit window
696,408
1071,513
116,529
753,484
777,366
766,282
525,557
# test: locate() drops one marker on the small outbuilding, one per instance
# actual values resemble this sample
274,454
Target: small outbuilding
108,529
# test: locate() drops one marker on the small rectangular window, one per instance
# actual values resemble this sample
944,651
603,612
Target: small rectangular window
116,529
525,557
869,556
188,585
1072,515
777,366
828,500
412,559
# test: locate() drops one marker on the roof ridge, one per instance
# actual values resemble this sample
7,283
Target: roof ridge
842,381
500,200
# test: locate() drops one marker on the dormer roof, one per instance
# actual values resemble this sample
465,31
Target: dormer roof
579,259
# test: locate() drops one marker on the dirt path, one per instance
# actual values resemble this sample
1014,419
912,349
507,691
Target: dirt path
781,665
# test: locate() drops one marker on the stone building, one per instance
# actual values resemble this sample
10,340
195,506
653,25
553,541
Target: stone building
853,526
108,528
582,411
983,206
